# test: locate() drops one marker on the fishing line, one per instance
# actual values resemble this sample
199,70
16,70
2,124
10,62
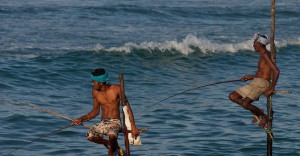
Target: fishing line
211,84
52,112
65,117
36,107
41,109
60,129
44,110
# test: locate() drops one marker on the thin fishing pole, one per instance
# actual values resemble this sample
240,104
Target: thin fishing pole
40,138
211,84
56,114
44,110
36,107
41,109
50,112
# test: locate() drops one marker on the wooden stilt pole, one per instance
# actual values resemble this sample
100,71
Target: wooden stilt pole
123,102
273,57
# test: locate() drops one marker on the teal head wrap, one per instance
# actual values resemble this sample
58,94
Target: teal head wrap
100,78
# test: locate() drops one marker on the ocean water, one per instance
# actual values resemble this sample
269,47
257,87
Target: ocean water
48,49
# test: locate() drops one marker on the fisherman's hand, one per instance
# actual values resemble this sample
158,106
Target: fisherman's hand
135,132
269,92
77,121
246,78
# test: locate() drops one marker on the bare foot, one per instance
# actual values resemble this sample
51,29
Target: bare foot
254,118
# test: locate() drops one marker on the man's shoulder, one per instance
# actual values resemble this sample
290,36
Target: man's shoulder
264,51
114,87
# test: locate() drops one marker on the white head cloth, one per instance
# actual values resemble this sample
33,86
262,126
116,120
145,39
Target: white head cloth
261,38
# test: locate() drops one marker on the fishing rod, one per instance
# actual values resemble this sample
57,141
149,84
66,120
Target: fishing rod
43,136
65,117
50,112
53,113
211,84
41,109
56,114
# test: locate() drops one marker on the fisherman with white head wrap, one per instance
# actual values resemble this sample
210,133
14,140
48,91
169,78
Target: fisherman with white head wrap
263,39
260,84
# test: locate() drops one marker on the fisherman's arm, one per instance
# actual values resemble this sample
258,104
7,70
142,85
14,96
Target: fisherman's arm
275,76
92,114
134,130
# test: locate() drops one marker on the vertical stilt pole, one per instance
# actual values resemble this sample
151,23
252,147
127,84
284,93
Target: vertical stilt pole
273,57
123,102
270,114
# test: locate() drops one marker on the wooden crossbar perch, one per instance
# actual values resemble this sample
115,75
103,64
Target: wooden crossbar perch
141,130
282,92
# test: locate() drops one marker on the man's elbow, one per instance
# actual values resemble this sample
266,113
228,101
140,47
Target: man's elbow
277,72
94,114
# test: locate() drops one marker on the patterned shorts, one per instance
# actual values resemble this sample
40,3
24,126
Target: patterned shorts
105,127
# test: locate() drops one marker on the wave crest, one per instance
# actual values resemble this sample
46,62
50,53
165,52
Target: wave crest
191,44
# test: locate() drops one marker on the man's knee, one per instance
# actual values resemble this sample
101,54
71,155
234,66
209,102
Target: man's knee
112,137
94,139
232,96
90,139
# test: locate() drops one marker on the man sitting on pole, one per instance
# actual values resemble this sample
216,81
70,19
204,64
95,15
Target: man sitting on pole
245,95
107,98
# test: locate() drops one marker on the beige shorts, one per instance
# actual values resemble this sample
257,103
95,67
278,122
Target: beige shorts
253,90
105,127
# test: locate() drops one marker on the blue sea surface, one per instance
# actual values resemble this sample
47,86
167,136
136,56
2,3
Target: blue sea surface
48,49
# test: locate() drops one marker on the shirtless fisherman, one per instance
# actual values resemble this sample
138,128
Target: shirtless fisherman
107,98
260,84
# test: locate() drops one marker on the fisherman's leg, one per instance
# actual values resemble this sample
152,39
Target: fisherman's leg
255,111
254,118
98,140
113,144
245,103
236,98
95,134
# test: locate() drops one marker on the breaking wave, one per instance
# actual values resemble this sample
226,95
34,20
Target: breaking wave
191,44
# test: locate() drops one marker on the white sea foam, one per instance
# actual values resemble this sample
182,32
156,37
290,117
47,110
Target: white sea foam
6,57
187,45
191,44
